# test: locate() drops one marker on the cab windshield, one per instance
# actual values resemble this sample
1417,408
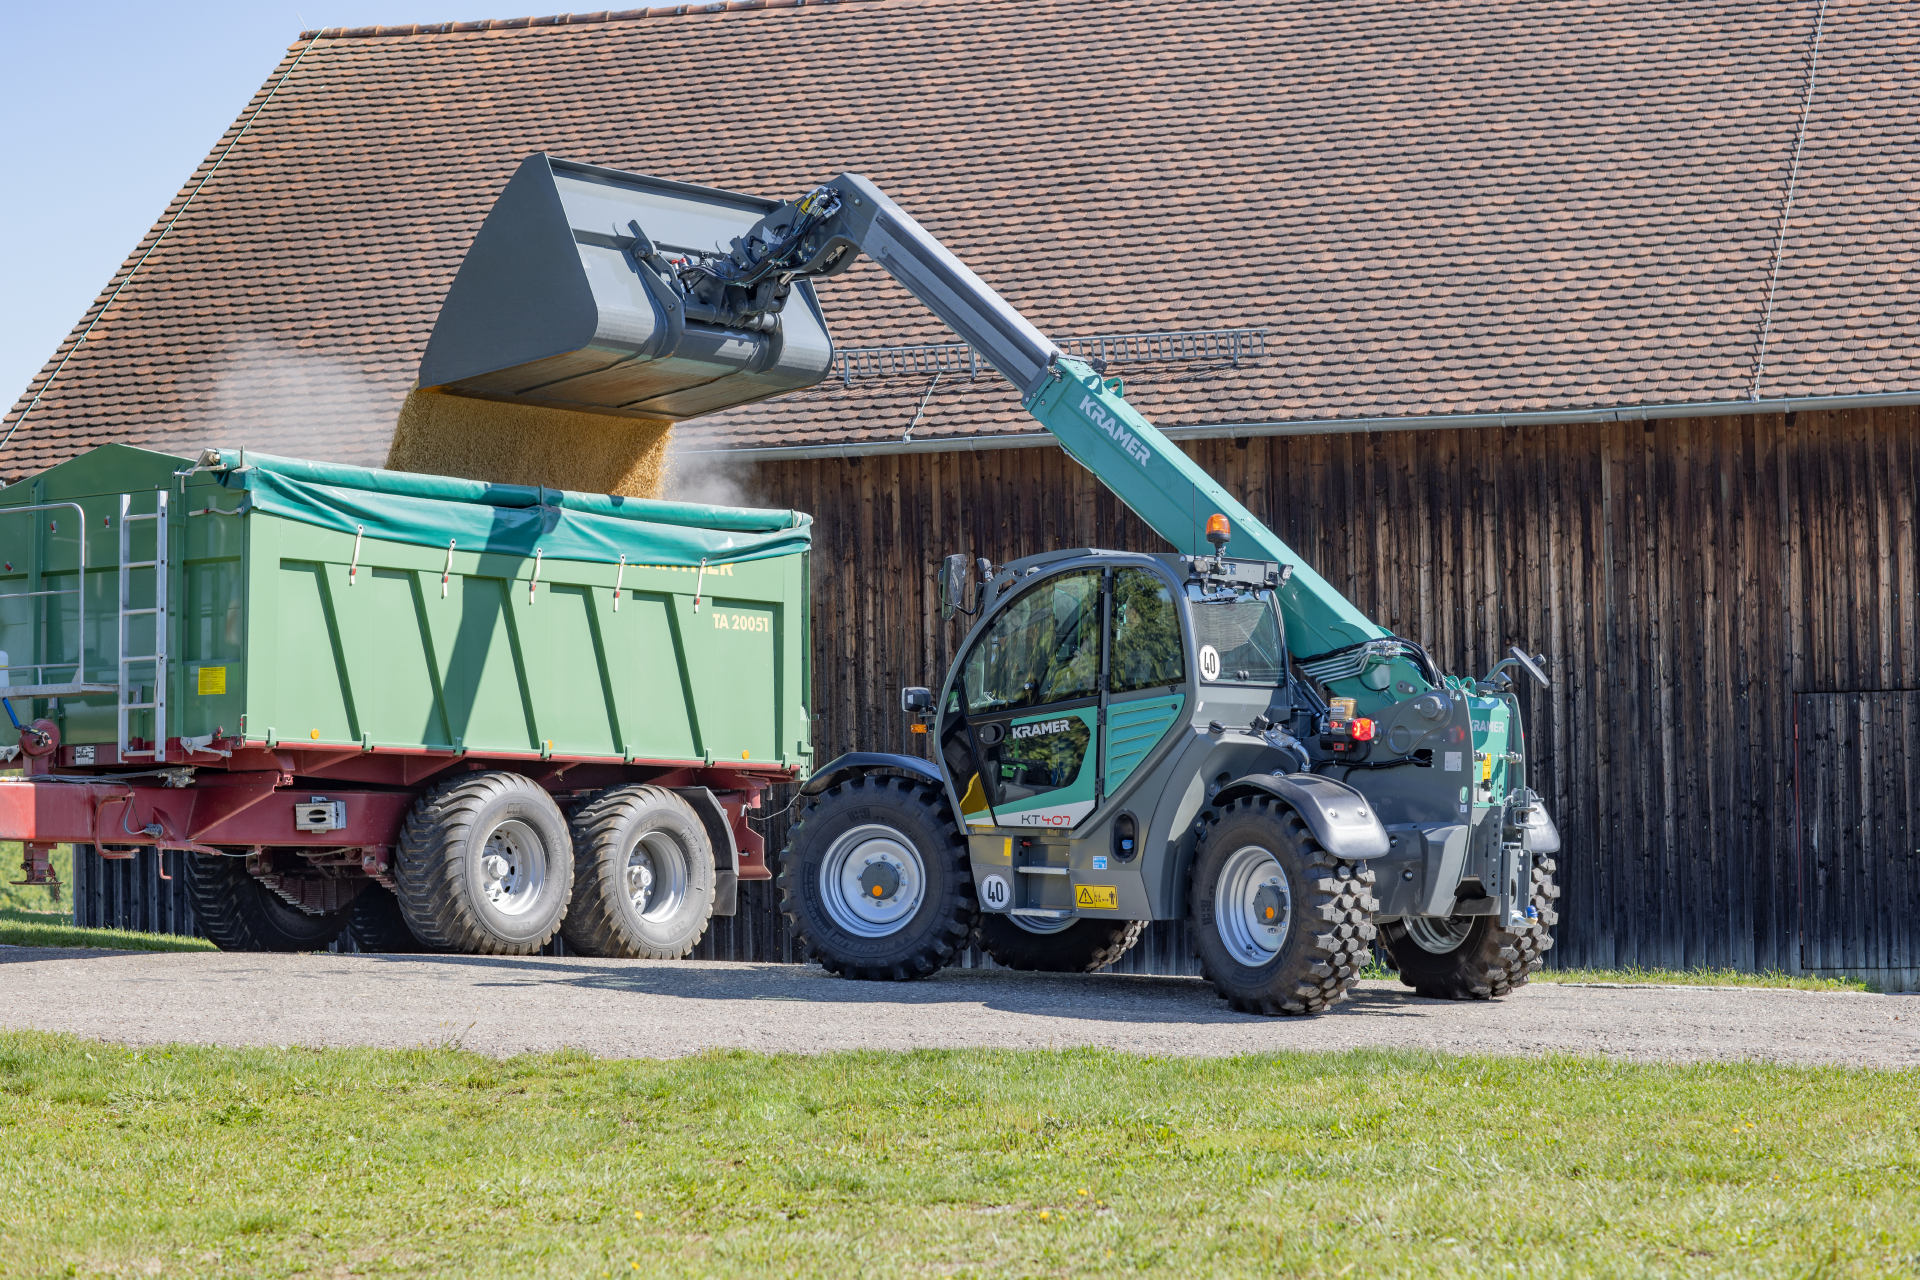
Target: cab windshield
1242,630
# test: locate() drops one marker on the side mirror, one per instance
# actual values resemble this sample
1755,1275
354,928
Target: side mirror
954,585
916,700
1532,665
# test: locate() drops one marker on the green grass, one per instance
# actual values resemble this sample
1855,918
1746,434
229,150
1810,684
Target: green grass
35,897
211,1162
1671,977
1703,978
42,929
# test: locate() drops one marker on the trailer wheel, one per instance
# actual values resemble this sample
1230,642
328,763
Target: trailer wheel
642,876
1472,957
1280,925
485,866
237,913
876,881
375,923
1082,946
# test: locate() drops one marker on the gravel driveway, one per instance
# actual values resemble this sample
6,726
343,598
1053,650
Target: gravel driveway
617,1008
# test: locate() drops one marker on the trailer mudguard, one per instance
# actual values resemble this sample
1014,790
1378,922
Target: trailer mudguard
726,854
1341,819
857,763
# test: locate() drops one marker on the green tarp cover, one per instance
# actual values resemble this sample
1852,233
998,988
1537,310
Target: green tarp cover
510,519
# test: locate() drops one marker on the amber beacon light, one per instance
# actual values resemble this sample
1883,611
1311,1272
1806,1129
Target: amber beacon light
1218,530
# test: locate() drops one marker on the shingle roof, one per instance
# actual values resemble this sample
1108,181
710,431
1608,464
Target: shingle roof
1431,208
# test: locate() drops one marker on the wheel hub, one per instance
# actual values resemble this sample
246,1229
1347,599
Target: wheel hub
513,868
657,876
879,880
872,881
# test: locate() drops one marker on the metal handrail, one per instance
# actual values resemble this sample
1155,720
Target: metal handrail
1158,346
42,688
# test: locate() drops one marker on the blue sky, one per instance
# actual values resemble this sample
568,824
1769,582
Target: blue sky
107,109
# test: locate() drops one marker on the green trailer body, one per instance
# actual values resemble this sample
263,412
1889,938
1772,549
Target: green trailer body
311,633
284,632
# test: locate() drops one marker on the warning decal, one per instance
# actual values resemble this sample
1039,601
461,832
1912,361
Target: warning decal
213,680
1100,897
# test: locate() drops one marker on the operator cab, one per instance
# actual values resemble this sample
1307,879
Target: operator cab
1081,666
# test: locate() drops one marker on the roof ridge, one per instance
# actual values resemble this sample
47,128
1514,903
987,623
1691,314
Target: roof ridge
561,19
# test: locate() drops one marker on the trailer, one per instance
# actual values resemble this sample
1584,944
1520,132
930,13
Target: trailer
433,712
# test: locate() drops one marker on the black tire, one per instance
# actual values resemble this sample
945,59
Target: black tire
1084,946
643,840
459,892
1486,960
237,913
894,824
375,923
1322,904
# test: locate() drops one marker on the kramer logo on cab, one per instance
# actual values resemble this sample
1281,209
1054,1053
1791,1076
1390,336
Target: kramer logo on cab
1037,729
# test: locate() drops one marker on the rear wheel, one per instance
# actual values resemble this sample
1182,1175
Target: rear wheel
1081,946
876,881
375,924
642,876
1472,957
238,913
485,866
1280,925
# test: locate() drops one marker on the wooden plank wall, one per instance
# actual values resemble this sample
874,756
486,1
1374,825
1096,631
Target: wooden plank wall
1687,578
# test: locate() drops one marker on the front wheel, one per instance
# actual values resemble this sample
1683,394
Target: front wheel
1280,925
876,882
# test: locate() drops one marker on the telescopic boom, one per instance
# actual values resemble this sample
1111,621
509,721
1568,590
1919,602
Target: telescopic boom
825,231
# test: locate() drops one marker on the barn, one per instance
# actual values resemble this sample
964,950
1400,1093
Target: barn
1584,326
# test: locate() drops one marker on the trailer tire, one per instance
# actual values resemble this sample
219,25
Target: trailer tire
376,924
1259,863
1086,945
643,876
485,866
913,852
236,912
1486,960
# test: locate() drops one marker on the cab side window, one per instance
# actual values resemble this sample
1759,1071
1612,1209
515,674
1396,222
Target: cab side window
1146,633
1044,648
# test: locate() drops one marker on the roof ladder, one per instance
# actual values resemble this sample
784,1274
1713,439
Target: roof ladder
130,688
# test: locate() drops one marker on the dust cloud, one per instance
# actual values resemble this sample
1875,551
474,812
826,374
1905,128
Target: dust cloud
715,478
271,397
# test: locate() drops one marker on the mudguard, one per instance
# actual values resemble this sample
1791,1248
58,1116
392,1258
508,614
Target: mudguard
855,763
1340,818
726,854
1542,835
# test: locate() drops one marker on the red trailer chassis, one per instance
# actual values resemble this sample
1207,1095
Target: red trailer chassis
315,823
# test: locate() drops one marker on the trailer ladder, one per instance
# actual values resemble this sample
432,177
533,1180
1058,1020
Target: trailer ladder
130,689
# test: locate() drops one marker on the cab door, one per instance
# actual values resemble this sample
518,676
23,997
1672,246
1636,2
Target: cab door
1146,673
1030,691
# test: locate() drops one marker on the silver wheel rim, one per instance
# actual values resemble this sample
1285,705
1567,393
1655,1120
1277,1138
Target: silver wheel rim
863,860
1438,937
513,867
656,876
1253,910
1041,925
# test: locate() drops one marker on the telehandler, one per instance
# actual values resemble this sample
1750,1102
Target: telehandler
1214,734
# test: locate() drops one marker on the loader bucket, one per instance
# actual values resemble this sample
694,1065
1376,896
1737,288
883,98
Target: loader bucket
555,306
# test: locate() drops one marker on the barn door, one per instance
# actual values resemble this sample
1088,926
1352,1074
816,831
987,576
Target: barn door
1857,790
